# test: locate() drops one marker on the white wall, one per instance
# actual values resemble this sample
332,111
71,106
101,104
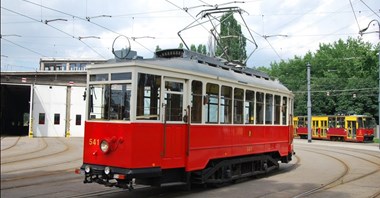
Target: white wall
49,100
78,107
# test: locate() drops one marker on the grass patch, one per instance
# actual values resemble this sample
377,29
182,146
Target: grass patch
376,140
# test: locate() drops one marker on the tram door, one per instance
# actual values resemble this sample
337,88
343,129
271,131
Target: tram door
175,121
351,129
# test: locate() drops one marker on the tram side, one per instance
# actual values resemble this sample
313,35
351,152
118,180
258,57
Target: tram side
352,128
176,120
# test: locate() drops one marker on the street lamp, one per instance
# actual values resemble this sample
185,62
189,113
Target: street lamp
361,32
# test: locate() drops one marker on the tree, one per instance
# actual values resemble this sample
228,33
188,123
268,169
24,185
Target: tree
158,48
343,78
232,43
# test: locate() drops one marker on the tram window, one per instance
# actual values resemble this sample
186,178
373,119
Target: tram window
277,109
268,108
97,101
259,108
99,77
212,102
148,97
284,111
332,122
56,118
340,122
249,107
173,98
238,105
226,105
120,102
110,102
196,109
121,76
41,118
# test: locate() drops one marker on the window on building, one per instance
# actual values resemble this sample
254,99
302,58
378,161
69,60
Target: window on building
249,107
268,109
226,105
212,102
277,109
57,118
259,108
148,97
196,100
41,118
238,106
78,119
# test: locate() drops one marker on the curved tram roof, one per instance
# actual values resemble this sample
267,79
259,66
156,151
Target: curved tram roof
198,64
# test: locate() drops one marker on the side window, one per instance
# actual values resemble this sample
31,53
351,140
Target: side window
120,102
259,108
148,97
212,103
268,108
57,118
196,100
249,107
277,109
238,105
284,110
226,105
174,100
41,118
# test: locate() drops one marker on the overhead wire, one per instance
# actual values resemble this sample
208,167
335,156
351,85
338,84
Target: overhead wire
72,36
84,19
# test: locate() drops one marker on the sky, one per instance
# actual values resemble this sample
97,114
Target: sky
32,29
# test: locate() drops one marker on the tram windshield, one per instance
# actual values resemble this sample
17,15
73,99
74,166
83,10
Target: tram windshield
366,122
110,101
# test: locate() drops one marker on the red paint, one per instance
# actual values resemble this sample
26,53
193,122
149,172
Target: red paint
144,145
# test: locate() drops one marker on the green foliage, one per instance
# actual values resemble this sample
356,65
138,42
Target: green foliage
339,71
158,48
232,43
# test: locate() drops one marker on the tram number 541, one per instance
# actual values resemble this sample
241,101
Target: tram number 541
93,142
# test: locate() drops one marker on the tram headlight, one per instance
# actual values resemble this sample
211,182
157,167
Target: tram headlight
104,146
87,169
107,170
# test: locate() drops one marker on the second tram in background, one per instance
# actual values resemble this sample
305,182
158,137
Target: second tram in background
353,128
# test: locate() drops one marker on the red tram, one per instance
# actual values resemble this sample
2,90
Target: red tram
182,118
353,128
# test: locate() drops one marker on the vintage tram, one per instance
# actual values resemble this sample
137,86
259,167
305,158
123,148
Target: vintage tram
182,118
354,128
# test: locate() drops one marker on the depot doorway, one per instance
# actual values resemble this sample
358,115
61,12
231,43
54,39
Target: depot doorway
15,109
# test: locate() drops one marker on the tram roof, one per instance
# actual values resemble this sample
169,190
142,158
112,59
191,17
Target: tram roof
188,62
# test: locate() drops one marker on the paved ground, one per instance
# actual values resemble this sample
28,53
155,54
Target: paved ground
44,167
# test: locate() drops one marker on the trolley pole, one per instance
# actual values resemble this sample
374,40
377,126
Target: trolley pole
308,104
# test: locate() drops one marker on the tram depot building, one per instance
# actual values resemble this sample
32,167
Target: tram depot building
45,103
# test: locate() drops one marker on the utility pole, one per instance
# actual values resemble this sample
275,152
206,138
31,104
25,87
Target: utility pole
361,32
308,104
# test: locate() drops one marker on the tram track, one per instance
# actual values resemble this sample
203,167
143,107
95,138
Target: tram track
341,180
19,158
12,145
42,147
